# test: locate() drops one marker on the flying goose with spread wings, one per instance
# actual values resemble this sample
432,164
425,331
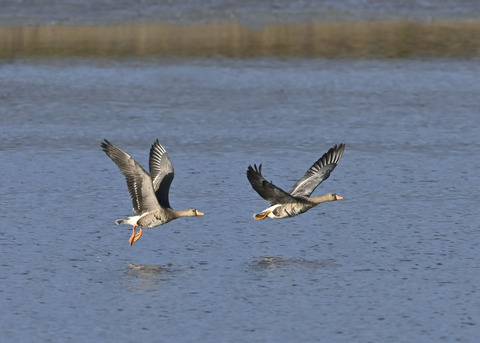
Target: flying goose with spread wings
285,205
149,192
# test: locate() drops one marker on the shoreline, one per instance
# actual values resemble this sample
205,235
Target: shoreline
362,39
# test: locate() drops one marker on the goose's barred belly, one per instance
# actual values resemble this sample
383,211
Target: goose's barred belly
152,219
291,210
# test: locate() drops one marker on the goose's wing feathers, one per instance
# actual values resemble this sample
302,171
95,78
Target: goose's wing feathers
318,172
161,173
139,182
267,190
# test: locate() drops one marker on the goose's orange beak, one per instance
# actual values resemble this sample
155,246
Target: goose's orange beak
338,197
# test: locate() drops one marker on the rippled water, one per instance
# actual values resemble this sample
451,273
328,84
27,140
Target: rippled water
246,11
397,260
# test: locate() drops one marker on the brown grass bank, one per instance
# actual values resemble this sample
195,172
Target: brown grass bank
387,39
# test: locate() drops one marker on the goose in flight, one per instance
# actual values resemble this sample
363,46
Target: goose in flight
285,205
149,192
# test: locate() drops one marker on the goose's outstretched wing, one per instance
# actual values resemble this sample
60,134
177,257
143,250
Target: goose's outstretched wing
161,173
139,182
267,190
318,172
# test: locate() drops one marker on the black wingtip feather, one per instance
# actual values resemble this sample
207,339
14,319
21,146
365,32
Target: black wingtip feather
334,154
106,145
254,169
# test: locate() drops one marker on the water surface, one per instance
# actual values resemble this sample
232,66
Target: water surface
397,260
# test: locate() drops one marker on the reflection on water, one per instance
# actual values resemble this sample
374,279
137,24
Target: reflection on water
145,277
275,262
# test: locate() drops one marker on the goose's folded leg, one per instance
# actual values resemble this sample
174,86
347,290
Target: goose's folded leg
261,215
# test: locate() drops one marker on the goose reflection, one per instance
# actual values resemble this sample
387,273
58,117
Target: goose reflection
276,262
146,277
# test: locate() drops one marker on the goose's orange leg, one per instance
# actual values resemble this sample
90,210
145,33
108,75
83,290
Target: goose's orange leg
135,236
138,235
132,237
262,216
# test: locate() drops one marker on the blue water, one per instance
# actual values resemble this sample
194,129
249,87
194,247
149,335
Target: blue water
397,260
248,12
